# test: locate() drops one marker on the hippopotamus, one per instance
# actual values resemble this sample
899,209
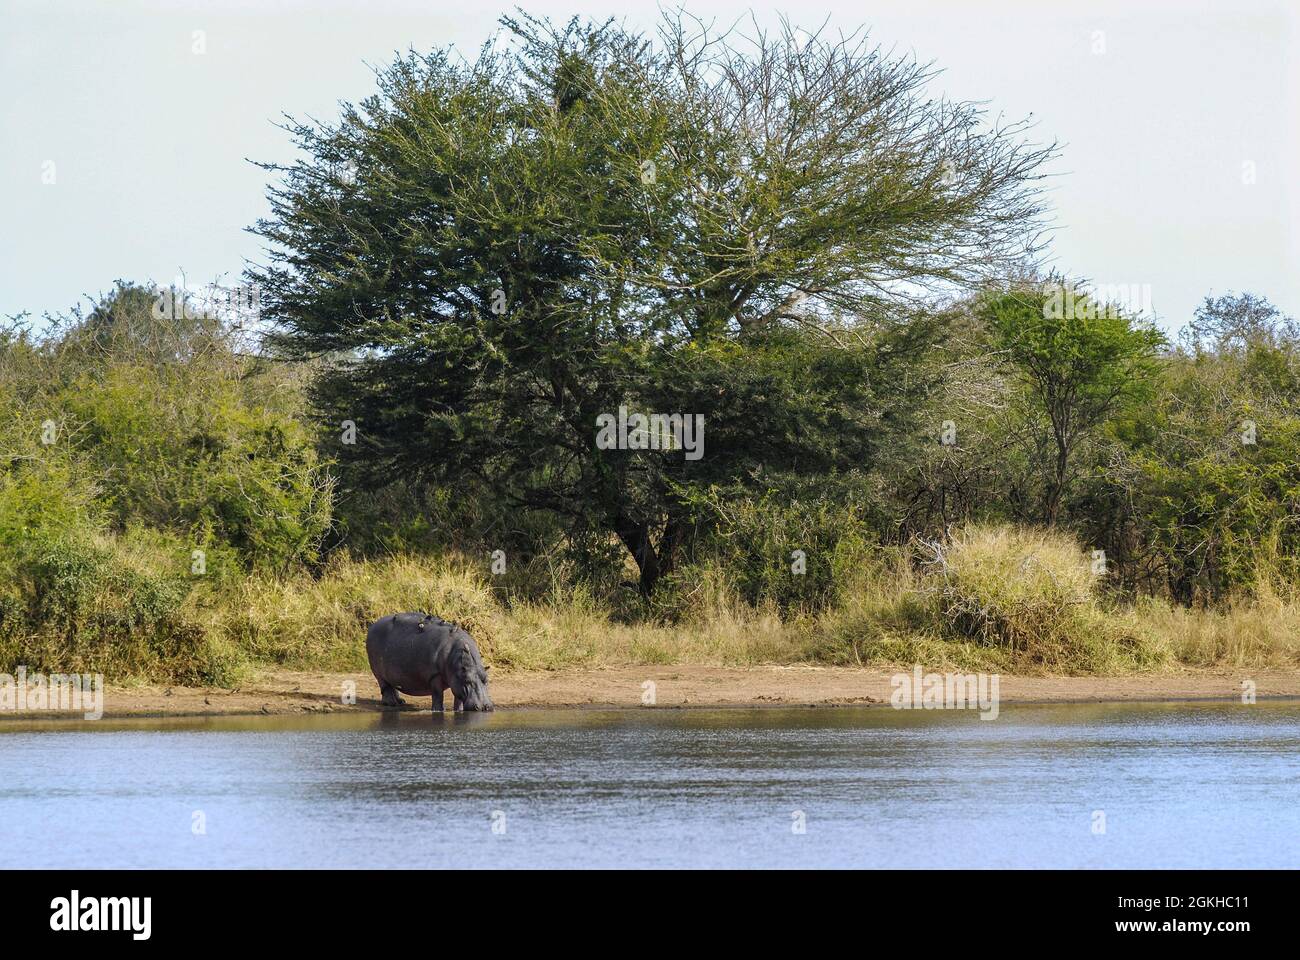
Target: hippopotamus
423,655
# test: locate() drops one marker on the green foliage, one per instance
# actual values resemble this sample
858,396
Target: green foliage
75,604
80,592
1081,362
1209,483
752,541
43,496
523,244
167,434
127,442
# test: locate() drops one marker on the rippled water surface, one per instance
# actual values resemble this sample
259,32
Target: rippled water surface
1178,786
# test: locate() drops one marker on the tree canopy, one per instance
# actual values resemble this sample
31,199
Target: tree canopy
493,254
1080,365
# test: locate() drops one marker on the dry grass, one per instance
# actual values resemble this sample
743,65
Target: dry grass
994,599
321,622
1033,594
1258,631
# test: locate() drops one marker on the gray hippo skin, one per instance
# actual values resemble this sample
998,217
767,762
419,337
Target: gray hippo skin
421,655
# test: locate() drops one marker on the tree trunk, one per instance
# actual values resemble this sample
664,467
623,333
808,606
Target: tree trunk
1056,486
651,562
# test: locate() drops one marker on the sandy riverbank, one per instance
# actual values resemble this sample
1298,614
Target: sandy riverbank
297,692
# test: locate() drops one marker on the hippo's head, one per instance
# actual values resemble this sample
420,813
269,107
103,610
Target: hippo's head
469,675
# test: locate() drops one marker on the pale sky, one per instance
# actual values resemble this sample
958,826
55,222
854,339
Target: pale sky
1178,124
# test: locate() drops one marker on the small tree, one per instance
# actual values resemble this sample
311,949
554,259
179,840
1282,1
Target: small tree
1080,362
1237,321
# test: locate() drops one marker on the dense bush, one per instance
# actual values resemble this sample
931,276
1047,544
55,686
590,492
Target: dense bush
128,443
124,449
1036,594
793,550
79,604
102,425
1199,496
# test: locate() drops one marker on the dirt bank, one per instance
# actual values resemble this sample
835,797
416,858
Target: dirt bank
291,692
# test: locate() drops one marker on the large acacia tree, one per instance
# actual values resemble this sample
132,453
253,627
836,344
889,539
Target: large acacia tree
492,253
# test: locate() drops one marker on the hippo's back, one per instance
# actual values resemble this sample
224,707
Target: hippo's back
403,650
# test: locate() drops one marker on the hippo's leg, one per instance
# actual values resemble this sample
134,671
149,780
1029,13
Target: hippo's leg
456,705
438,689
388,694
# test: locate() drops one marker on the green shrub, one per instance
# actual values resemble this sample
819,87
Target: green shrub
751,544
1218,519
81,604
186,451
43,497
175,425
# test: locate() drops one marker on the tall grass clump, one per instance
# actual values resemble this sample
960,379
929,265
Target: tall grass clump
304,620
1256,629
319,622
1033,594
886,615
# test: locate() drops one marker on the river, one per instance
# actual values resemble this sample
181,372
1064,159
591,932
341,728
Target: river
1149,785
